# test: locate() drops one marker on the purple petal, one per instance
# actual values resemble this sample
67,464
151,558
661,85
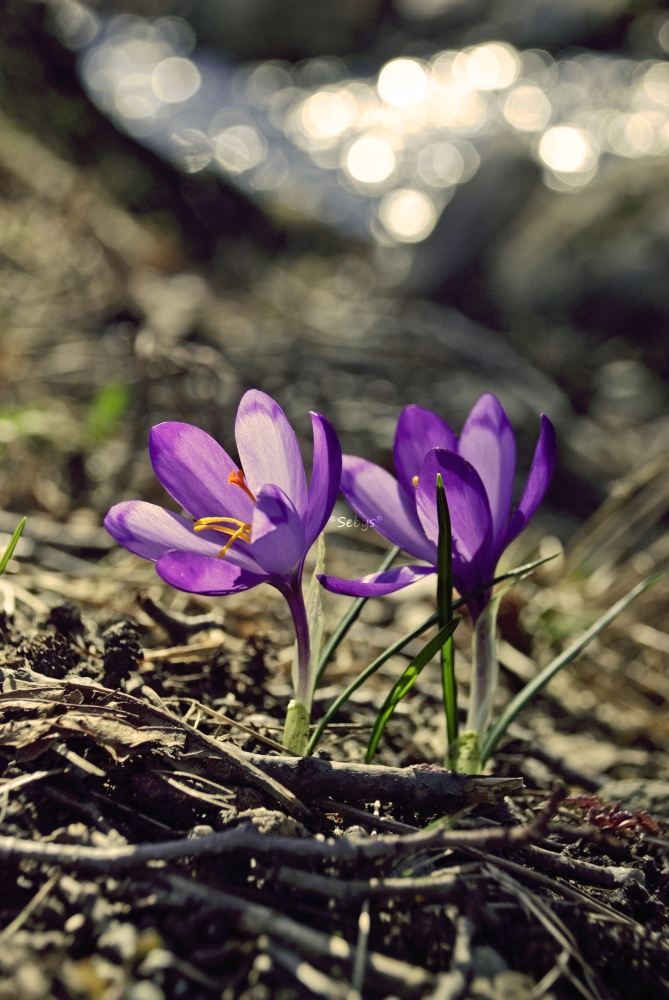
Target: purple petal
377,584
418,431
278,542
325,477
199,574
150,531
268,448
541,472
194,470
468,508
373,493
488,442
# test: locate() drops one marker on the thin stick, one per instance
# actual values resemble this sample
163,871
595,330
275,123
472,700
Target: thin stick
29,908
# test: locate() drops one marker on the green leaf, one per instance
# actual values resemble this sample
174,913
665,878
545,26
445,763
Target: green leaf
445,610
406,682
523,697
13,542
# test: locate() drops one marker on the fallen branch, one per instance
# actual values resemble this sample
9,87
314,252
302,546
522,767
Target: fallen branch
411,787
247,839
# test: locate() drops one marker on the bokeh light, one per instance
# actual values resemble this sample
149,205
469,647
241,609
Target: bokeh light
239,148
527,108
493,66
402,83
135,97
567,150
408,215
191,150
175,79
326,114
370,159
656,83
375,157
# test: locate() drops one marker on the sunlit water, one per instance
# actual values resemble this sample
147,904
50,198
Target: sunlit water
376,158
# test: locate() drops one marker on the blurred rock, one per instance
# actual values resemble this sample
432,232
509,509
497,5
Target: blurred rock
451,264
638,794
286,29
548,24
596,260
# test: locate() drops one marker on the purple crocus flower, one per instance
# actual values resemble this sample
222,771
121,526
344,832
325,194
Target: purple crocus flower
478,471
243,527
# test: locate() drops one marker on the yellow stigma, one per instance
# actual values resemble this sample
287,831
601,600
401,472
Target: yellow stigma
414,481
242,530
237,478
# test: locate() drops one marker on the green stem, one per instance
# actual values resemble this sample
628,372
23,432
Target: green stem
350,618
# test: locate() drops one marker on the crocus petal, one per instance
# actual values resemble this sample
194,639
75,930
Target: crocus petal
150,531
541,472
377,584
376,496
488,442
468,509
325,477
194,470
418,430
268,448
199,574
278,541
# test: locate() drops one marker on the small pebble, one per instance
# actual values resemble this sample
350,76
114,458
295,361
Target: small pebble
145,990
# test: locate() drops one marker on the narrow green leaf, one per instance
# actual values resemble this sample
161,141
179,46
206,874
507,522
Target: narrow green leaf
523,697
406,682
445,610
13,542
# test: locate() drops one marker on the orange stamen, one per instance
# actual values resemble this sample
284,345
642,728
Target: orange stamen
414,481
237,478
242,530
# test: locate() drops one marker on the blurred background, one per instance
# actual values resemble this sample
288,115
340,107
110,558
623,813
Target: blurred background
352,205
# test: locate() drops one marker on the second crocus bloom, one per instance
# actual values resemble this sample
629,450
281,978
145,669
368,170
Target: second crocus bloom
478,471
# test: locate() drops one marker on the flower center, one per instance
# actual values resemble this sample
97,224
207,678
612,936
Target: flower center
222,524
414,481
